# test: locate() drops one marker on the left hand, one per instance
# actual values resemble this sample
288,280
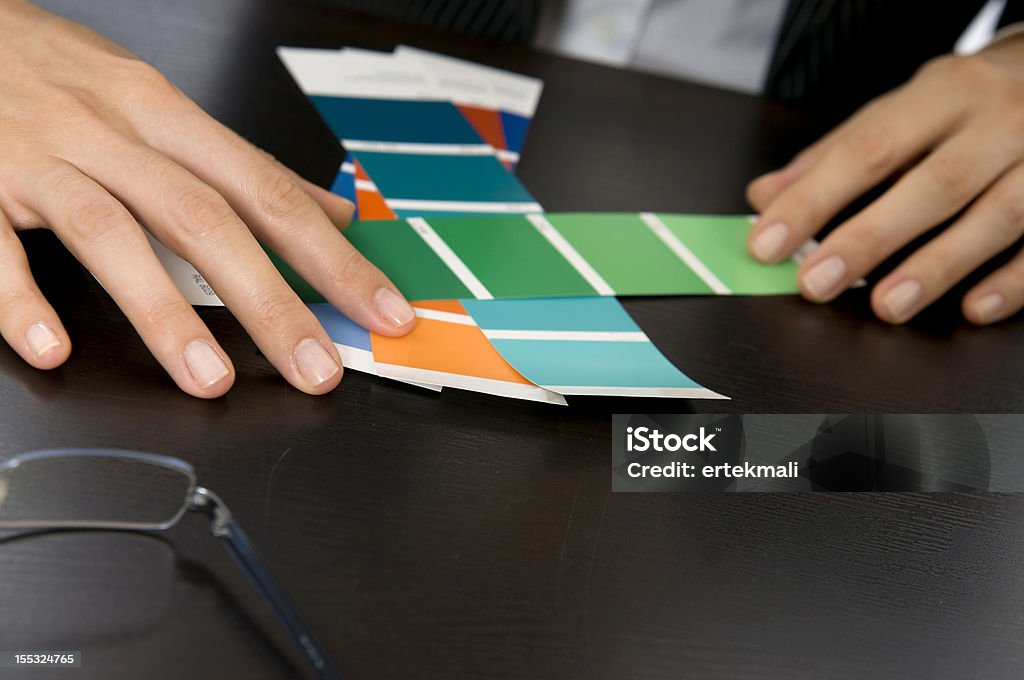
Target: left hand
957,128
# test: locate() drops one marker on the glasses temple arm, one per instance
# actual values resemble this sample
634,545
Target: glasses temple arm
244,554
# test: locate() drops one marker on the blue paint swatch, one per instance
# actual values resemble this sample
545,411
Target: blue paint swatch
515,127
345,185
395,120
340,328
443,178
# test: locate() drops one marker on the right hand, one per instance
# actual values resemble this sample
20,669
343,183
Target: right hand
96,142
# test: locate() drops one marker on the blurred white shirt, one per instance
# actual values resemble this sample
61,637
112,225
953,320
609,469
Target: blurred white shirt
721,42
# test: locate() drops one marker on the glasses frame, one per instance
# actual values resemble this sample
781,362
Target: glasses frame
222,526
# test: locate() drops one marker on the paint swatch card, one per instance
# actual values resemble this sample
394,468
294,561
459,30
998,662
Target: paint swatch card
570,254
446,348
582,346
528,349
498,104
420,153
351,339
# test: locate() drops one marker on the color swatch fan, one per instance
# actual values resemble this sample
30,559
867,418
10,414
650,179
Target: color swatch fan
510,300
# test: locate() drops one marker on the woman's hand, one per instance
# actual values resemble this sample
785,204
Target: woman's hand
958,129
96,143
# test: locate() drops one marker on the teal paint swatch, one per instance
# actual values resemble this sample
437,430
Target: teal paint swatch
555,314
567,363
443,178
575,365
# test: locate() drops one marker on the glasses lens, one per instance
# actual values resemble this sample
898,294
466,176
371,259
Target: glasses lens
92,491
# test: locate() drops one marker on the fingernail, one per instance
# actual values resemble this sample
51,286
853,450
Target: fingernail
768,244
315,364
902,298
41,339
204,363
393,307
987,308
824,277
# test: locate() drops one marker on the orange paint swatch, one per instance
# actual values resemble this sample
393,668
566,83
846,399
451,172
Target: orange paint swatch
447,348
370,201
487,123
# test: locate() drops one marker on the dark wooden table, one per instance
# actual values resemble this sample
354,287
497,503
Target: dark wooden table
457,534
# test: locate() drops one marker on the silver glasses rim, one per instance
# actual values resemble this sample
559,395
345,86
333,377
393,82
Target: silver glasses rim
168,462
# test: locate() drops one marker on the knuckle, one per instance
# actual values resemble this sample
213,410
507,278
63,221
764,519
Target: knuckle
145,79
280,197
274,307
803,207
63,185
167,313
203,215
348,269
872,147
17,298
70,104
971,72
963,72
868,239
952,177
95,219
935,67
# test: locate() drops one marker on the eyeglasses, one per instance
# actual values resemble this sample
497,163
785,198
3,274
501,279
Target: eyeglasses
133,491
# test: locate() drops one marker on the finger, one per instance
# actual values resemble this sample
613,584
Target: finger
866,150
761,191
990,226
287,220
935,190
764,189
104,236
27,321
337,208
195,222
999,296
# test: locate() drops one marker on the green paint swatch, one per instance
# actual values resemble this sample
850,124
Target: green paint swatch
720,242
627,254
406,259
510,257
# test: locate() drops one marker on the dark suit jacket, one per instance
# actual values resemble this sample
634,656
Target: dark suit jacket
835,55
831,55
